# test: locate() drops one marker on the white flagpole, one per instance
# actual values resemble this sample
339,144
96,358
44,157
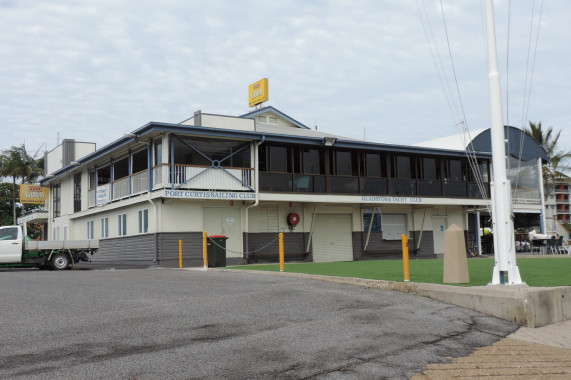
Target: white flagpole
504,243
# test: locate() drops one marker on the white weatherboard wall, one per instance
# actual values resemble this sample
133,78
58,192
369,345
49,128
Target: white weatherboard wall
181,216
225,221
332,238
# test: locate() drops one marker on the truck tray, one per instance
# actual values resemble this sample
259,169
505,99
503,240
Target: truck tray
62,244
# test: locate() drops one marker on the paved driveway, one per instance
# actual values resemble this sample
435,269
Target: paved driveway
182,324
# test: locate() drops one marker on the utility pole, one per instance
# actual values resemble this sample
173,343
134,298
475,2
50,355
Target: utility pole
502,214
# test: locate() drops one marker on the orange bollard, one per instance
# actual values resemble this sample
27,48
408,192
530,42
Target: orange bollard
180,253
405,263
282,256
205,249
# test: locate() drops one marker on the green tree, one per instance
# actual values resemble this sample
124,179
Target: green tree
548,139
21,167
5,204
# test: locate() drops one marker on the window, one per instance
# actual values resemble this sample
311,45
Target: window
430,169
56,191
308,161
376,227
484,172
90,229
343,163
143,221
10,233
57,233
202,151
92,184
373,165
279,159
455,171
77,192
139,161
103,175
158,152
122,223
121,168
104,227
402,167
394,226
312,162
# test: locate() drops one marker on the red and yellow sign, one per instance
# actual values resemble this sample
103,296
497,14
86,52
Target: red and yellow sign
258,92
34,194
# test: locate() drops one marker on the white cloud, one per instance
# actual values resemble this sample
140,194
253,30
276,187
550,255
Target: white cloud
94,70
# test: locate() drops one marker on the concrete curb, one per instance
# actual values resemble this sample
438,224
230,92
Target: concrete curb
524,305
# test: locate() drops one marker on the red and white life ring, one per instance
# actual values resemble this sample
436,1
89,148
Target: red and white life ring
293,219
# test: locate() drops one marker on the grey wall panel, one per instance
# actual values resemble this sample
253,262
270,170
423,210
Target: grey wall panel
358,243
379,248
426,244
168,249
128,251
266,246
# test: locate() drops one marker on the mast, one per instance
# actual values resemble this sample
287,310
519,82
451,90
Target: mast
502,215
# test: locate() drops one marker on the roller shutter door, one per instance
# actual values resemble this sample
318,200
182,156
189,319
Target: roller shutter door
332,238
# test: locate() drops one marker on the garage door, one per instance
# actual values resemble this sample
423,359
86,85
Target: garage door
332,238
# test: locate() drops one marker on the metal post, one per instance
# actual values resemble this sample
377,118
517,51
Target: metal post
204,249
311,229
172,167
370,228
421,230
180,253
504,244
282,258
405,262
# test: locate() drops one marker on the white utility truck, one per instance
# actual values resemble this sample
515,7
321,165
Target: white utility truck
18,250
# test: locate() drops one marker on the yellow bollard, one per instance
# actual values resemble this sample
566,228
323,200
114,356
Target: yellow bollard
282,259
180,253
204,249
405,263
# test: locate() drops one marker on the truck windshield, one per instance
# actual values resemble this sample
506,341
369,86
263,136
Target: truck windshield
10,233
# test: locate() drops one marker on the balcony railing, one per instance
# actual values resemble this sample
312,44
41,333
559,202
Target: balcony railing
185,177
140,182
121,188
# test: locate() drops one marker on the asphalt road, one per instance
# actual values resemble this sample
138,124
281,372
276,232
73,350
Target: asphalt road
184,324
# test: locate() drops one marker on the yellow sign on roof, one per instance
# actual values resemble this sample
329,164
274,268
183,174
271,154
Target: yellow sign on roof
258,92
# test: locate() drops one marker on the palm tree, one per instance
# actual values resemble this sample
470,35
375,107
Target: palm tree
22,167
548,140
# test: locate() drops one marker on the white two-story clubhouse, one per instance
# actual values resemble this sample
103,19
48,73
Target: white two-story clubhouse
251,177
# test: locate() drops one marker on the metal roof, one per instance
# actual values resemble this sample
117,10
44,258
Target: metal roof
519,144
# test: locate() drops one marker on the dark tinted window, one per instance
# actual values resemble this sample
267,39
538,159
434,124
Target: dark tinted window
429,168
403,167
278,159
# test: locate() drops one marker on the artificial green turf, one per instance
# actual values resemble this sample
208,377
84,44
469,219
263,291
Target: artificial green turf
545,271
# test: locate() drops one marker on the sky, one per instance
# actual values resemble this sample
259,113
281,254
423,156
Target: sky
94,70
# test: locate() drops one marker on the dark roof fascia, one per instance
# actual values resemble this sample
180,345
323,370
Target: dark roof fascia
253,114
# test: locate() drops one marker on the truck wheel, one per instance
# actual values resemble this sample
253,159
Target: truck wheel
59,261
